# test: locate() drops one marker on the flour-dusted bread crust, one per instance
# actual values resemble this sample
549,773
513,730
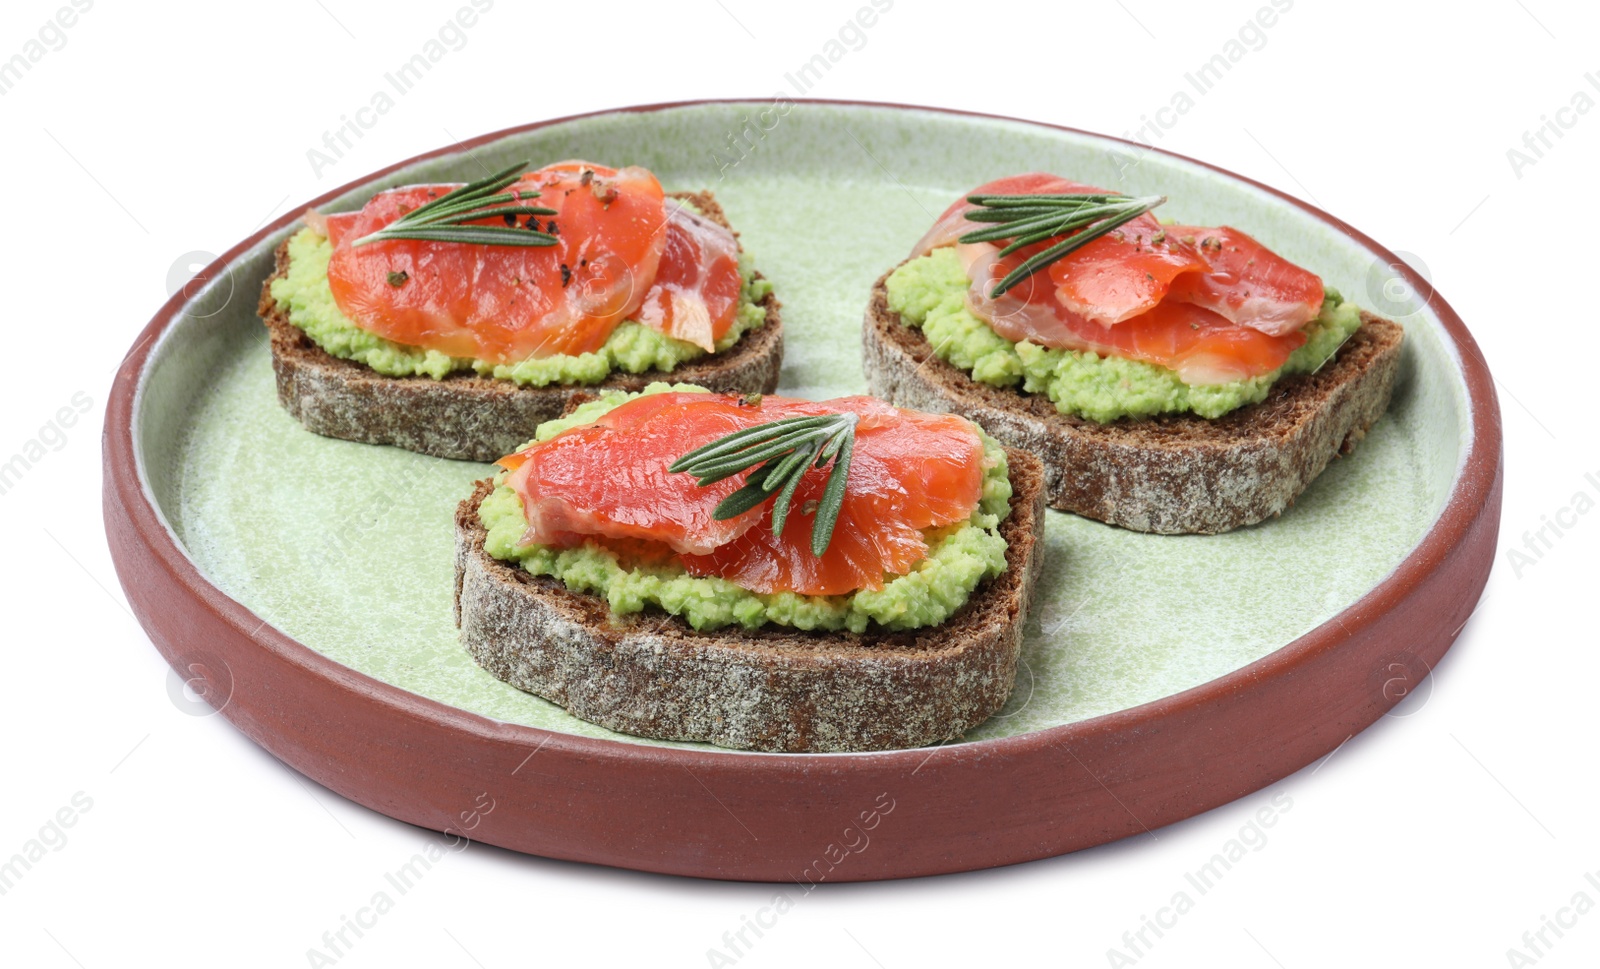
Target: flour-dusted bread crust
468,417
1173,474
771,689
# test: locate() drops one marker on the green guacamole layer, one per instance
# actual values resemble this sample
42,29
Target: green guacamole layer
930,293
632,347
959,558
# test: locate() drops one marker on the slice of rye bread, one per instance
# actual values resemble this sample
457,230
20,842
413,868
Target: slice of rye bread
1171,474
770,689
466,416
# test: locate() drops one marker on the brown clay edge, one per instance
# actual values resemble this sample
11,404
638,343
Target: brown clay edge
780,817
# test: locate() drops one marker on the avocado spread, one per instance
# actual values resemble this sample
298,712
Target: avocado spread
960,556
930,293
632,347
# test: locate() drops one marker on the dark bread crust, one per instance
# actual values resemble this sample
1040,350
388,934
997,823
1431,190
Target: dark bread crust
772,689
466,416
1172,474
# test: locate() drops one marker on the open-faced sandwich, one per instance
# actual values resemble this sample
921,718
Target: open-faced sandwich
755,571
1174,378
453,319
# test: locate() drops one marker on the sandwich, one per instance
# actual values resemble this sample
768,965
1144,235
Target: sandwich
754,571
1173,378
454,319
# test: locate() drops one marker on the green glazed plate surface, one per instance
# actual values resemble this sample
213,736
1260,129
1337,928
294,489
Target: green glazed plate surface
348,547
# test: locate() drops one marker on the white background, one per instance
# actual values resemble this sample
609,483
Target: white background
1436,838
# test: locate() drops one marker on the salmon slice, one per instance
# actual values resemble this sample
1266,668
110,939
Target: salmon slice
1113,278
1201,346
953,223
1246,282
695,296
1123,273
1212,304
608,482
503,304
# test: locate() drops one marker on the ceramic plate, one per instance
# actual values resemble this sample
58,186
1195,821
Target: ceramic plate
308,582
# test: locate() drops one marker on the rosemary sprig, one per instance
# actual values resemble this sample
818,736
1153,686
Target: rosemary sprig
445,218
781,452
1027,219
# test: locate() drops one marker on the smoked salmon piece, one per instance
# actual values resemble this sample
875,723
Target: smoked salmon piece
695,296
503,304
1117,276
608,482
1246,282
1123,273
953,223
623,251
1202,347
1212,304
